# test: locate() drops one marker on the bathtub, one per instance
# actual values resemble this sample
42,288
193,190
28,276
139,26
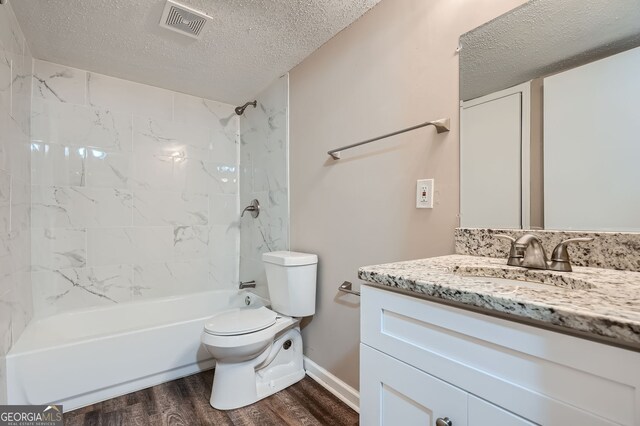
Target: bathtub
83,357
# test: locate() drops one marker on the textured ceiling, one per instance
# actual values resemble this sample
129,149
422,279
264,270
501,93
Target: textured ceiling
543,37
247,45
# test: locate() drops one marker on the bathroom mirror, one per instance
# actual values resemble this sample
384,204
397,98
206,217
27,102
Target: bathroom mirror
549,118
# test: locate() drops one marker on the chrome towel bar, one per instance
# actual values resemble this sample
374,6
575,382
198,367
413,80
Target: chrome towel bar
441,126
347,288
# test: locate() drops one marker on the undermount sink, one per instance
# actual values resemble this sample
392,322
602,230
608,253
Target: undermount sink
507,281
529,278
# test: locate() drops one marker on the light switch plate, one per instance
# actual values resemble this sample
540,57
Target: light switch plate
424,194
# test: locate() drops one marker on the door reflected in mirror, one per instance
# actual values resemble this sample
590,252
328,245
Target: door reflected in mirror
550,128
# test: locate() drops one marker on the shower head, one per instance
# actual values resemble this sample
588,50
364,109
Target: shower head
240,109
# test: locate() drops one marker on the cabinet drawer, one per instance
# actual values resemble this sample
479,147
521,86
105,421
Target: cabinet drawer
547,377
394,393
482,413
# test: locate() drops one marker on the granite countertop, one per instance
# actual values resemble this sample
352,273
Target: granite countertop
603,303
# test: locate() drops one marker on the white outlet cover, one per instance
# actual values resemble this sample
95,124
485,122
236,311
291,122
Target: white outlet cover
424,193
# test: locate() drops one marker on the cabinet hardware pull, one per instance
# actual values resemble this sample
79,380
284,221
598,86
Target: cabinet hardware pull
444,422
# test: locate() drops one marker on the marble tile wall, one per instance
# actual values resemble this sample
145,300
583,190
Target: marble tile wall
15,252
134,191
264,176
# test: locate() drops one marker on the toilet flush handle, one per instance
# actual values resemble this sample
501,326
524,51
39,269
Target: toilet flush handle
247,284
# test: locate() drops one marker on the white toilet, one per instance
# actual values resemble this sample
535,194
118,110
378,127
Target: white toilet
258,351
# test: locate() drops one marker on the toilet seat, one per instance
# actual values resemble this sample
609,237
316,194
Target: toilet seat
237,322
259,338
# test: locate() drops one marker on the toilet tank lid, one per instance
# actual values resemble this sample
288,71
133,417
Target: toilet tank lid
290,258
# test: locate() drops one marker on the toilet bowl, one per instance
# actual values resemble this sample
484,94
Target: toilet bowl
258,351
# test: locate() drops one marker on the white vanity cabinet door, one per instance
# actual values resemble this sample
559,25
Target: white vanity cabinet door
545,377
482,413
393,393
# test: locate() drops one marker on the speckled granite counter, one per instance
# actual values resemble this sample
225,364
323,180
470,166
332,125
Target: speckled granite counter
599,303
611,250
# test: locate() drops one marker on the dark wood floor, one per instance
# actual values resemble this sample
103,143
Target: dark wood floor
186,402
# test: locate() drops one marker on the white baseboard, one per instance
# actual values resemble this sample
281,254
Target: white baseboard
337,387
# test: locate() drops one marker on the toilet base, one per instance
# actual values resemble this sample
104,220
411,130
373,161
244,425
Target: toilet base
237,385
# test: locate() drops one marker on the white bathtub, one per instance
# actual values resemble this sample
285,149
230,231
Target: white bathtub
83,357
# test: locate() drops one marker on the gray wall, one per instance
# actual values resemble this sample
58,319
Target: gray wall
394,67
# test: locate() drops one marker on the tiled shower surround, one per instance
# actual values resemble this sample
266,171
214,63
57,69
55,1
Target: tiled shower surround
134,191
264,176
15,252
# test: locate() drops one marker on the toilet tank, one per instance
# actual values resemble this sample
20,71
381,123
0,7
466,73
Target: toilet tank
291,278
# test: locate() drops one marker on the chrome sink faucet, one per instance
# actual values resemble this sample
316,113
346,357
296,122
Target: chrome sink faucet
528,252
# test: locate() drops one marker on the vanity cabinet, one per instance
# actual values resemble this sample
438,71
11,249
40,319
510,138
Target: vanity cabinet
395,393
422,360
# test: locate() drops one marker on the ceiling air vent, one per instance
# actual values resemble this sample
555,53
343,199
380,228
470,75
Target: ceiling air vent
183,19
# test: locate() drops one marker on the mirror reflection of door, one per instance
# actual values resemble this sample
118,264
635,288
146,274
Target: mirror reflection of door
490,161
582,168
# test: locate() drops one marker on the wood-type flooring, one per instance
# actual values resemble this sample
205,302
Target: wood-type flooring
186,402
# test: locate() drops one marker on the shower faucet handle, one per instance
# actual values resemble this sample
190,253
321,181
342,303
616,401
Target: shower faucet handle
253,208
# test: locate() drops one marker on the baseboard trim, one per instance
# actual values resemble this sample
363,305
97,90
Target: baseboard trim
337,387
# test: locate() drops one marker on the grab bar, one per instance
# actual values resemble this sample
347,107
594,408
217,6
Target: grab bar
441,126
347,288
